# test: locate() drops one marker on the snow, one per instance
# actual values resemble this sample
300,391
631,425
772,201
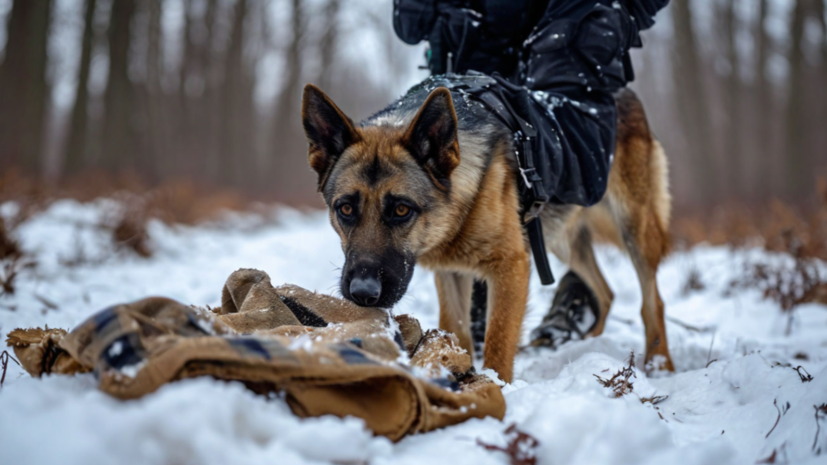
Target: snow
730,353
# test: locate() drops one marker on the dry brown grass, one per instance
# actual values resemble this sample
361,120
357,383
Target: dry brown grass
801,233
12,258
8,244
181,201
520,447
12,262
693,283
129,230
8,276
776,226
620,383
10,268
789,286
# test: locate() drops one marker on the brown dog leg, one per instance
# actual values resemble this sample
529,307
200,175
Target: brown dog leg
507,299
454,291
646,245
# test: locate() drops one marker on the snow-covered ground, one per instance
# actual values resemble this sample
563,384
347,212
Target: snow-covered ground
731,355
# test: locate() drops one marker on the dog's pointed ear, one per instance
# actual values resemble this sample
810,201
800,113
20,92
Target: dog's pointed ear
432,137
329,132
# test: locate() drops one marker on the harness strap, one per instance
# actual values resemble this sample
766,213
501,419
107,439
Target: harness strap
534,196
538,248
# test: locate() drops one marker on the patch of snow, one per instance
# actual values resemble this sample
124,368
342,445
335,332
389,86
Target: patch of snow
734,361
116,349
131,371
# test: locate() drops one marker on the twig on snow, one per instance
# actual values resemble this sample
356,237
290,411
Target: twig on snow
4,365
520,446
620,382
804,379
709,354
697,329
775,403
654,400
818,409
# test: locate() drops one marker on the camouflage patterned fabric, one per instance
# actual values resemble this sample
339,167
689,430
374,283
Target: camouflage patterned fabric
326,355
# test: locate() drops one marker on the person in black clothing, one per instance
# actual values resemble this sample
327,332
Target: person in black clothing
567,57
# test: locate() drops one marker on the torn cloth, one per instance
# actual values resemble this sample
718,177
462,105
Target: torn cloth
326,355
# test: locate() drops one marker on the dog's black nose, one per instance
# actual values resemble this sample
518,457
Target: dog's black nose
365,290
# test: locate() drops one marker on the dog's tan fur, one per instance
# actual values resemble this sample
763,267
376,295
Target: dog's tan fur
473,228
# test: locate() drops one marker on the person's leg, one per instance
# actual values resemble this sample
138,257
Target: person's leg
583,298
479,311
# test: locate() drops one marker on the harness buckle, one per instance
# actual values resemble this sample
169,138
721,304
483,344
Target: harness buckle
525,174
533,211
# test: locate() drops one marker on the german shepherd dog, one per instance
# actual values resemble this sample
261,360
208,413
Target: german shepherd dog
431,180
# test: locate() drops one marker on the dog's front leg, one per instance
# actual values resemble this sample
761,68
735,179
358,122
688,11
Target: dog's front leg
454,291
507,298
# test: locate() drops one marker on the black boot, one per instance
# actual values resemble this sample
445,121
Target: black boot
574,312
479,304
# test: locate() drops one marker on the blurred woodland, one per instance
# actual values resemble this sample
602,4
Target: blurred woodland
208,91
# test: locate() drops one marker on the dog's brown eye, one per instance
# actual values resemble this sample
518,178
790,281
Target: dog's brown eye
346,210
402,210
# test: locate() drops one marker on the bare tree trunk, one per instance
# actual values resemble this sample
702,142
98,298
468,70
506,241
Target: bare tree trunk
153,56
692,102
286,117
236,154
734,164
764,154
200,108
184,124
820,16
76,146
288,100
24,98
156,159
119,137
327,47
798,175
819,160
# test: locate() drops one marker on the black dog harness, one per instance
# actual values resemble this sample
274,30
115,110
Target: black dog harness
489,91
533,195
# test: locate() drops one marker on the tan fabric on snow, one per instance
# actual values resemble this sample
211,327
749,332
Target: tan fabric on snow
440,350
327,355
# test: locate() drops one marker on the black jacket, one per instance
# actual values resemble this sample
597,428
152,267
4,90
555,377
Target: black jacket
560,60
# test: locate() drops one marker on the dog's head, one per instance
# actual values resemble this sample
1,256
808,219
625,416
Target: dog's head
386,188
